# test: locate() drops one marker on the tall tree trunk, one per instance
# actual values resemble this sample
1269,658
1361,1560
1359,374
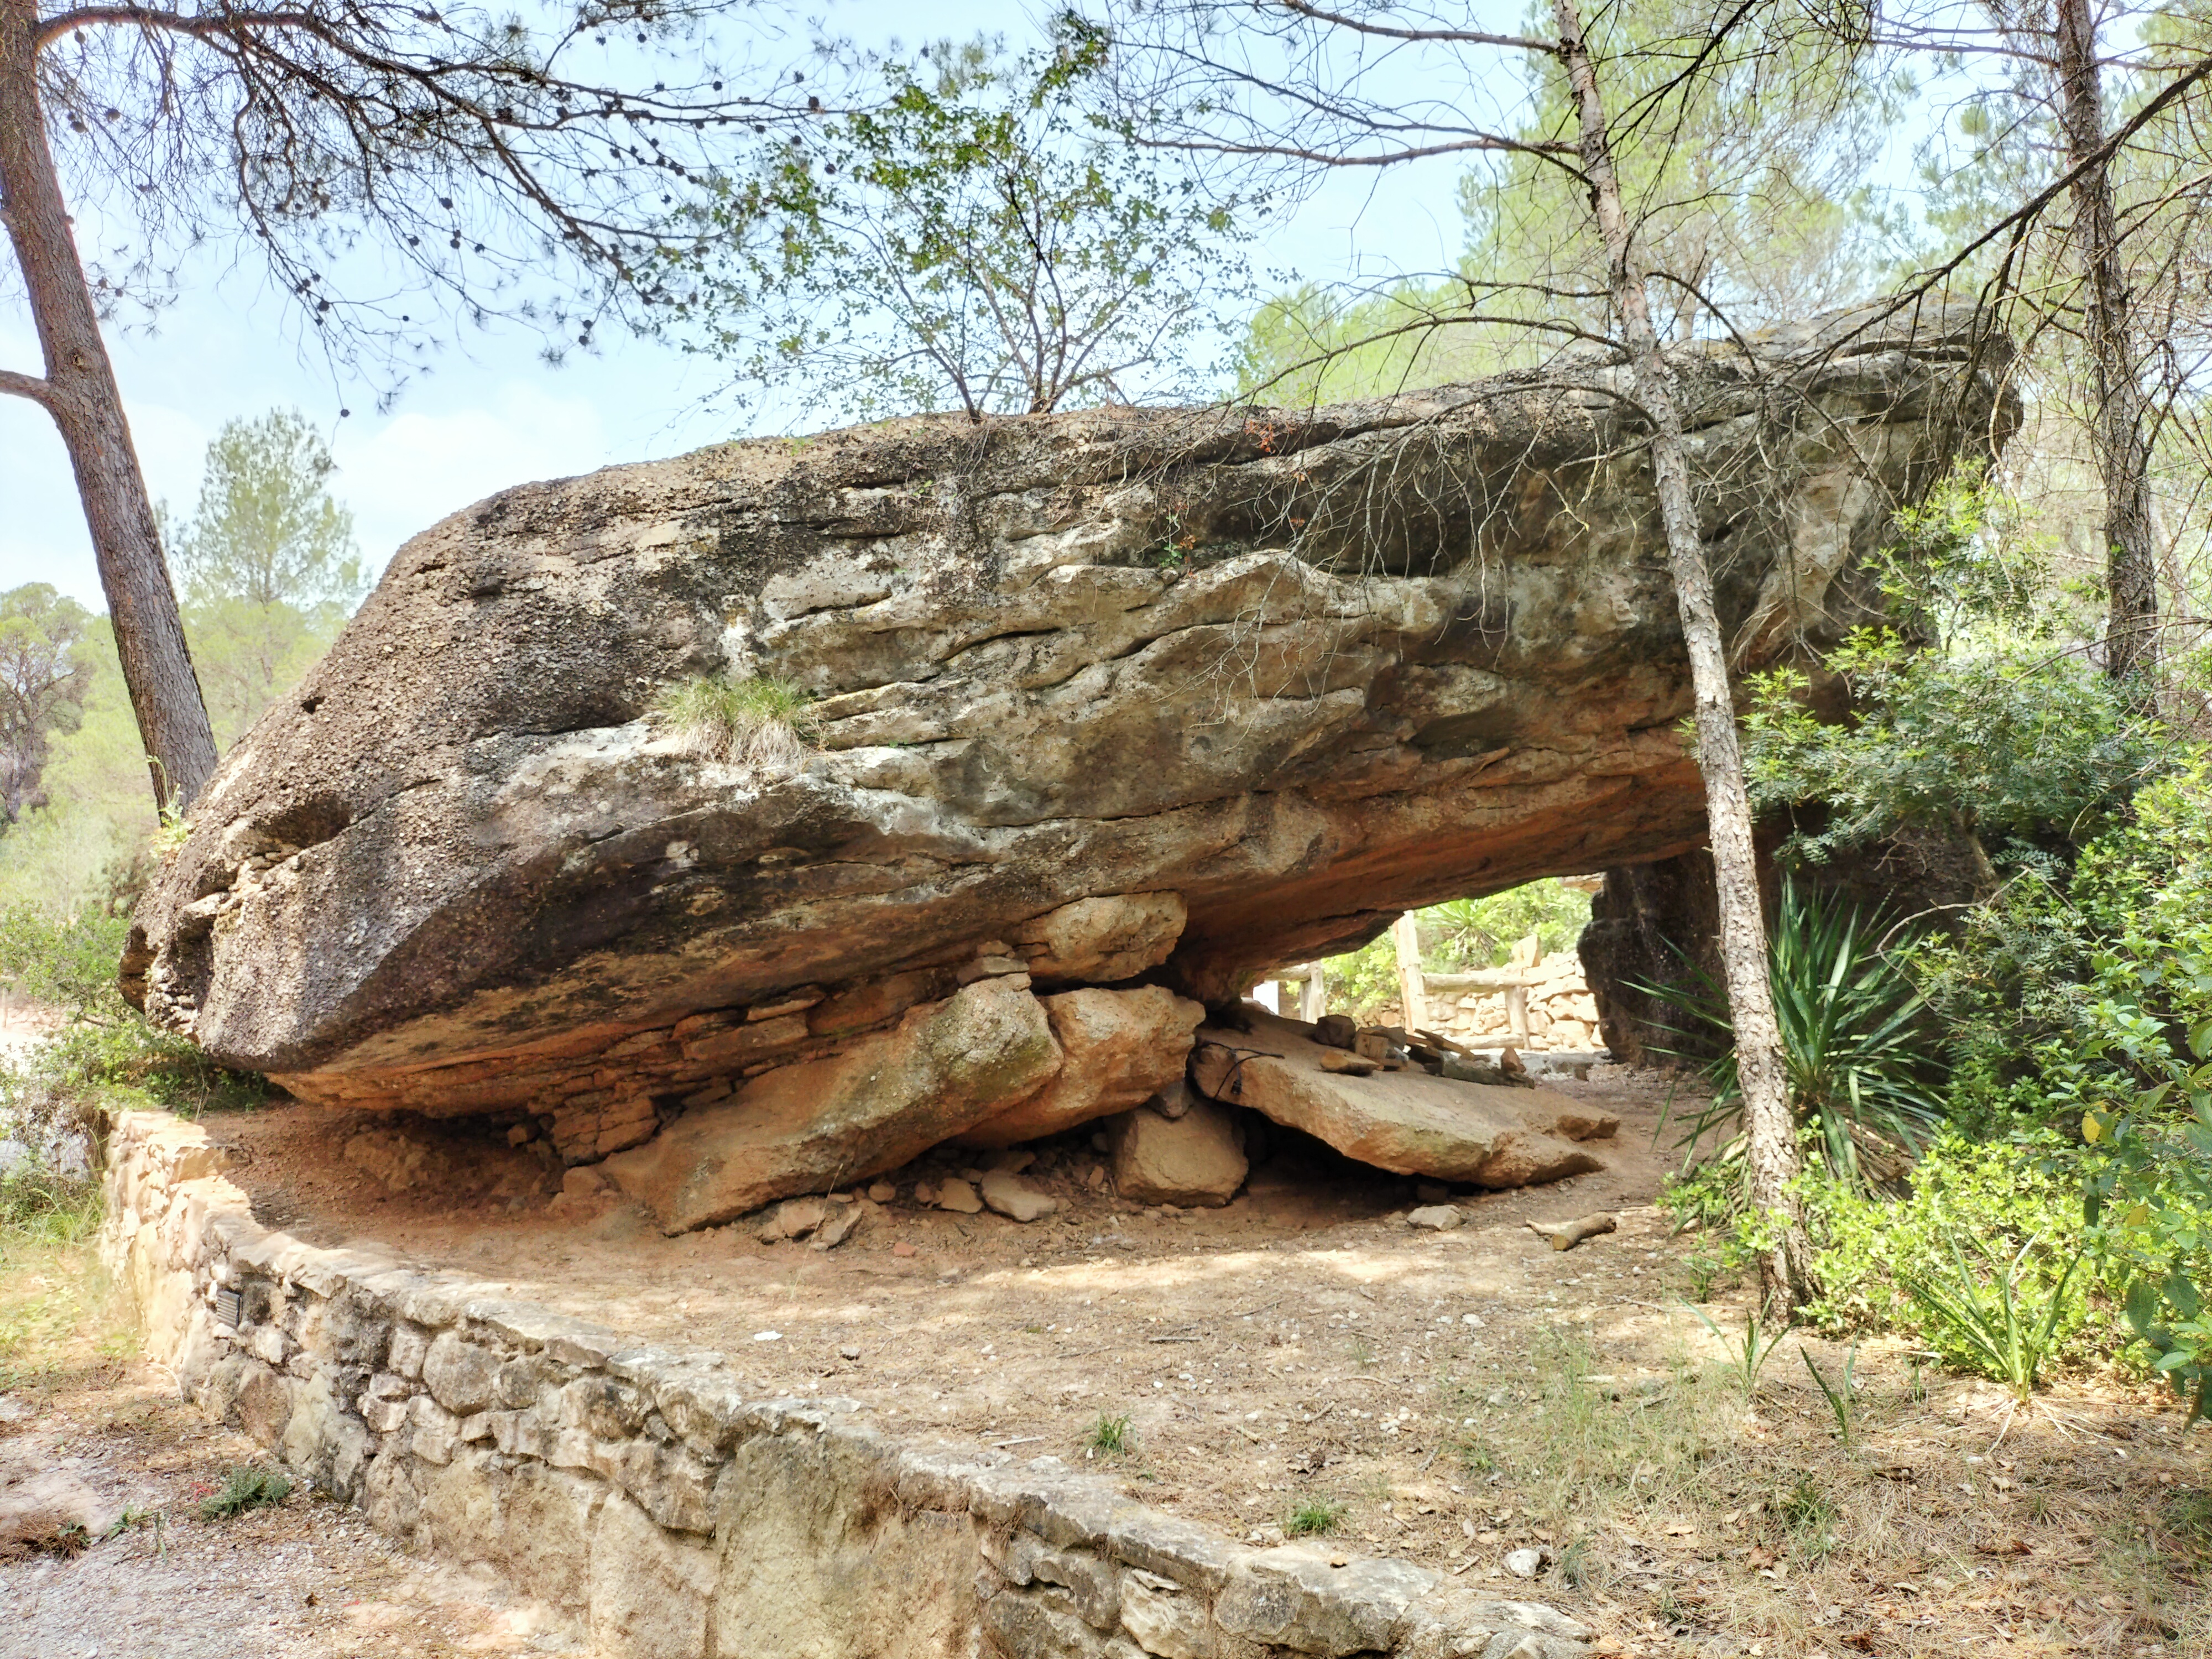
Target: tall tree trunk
79,391
2116,420
1770,1139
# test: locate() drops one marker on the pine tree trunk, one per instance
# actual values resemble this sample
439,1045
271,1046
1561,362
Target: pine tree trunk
1771,1143
2116,420
79,391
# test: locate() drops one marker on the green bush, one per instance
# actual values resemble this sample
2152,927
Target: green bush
1993,1199
70,961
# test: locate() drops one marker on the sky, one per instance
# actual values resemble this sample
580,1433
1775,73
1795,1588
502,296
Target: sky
492,414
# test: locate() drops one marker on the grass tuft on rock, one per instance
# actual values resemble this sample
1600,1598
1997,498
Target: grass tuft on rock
760,723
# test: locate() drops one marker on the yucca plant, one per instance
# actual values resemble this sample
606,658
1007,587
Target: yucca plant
1996,1327
1852,1040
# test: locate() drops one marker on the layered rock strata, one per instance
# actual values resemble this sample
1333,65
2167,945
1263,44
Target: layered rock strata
637,1490
1108,699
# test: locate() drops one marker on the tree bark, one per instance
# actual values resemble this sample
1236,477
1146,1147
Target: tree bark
79,391
2117,440
1770,1137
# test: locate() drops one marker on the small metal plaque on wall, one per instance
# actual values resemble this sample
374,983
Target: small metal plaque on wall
227,1307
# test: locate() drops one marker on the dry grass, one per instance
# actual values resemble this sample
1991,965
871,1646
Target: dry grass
760,725
1689,1525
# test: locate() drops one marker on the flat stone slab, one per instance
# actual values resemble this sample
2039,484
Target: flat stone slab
1407,1121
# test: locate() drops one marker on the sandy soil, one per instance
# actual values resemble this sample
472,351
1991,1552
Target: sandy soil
1304,1357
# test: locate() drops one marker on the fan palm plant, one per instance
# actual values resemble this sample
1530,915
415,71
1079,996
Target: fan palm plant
1852,1039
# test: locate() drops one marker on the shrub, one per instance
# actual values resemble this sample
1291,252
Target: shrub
246,1486
69,960
2019,1201
760,724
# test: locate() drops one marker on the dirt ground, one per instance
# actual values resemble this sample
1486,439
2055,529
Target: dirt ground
305,1579
1304,1360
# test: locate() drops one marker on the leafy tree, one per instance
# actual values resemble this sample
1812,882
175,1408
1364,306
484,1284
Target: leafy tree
2071,187
44,674
391,164
967,240
269,565
1751,209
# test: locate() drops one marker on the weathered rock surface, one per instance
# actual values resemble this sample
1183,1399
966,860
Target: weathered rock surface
1197,1158
827,1122
1120,1048
1407,1121
46,1508
1182,694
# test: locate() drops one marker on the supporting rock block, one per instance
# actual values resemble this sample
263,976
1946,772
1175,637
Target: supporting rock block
805,1128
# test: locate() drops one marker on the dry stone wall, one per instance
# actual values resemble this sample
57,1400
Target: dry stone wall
1562,1012
636,1489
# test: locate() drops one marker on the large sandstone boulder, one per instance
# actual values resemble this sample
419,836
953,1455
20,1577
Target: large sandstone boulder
1114,697
1407,1121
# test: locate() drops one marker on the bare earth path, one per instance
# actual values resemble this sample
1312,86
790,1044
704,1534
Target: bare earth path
1301,1357
1451,1397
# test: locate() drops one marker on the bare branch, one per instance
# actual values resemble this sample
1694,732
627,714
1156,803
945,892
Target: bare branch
27,385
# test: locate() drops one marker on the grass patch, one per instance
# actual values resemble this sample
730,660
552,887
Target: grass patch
1313,1516
55,1312
245,1487
39,1207
760,723
1109,1435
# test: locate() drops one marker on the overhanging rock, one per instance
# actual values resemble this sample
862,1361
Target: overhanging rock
1119,697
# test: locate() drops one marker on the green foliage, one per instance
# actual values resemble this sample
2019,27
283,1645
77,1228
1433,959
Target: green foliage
2004,1326
1854,1047
2018,1198
1809,1513
1841,1395
760,724
971,238
1751,206
2150,1208
268,568
2078,988
45,672
1109,1435
1745,1353
1458,935
245,1487
69,960
1311,1516
43,1206
2025,746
